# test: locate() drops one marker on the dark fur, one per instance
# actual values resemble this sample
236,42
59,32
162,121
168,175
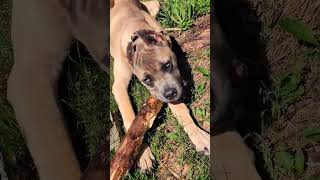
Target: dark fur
227,84
147,36
130,52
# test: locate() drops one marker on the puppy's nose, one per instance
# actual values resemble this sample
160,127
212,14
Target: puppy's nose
170,93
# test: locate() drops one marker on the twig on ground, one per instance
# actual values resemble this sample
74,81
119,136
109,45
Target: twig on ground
172,29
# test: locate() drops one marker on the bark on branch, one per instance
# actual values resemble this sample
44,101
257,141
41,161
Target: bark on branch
129,149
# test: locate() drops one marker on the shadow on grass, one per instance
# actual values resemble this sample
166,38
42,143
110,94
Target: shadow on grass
83,93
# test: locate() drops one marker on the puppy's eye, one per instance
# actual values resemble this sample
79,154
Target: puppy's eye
147,80
166,66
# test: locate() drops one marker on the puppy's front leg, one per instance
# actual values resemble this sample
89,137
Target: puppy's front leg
122,75
199,137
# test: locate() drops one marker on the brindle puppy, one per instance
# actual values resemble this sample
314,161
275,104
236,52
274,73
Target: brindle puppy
139,46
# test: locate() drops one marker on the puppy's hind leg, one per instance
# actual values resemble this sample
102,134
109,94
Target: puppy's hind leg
122,75
40,37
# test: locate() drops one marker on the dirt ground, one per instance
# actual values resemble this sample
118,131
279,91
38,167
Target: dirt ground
253,29
282,52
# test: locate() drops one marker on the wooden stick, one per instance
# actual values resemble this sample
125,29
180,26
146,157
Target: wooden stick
129,149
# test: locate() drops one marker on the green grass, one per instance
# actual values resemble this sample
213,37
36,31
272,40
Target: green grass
299,30
181,14
287,89
287,158
201,88
289,161
284,160
87,98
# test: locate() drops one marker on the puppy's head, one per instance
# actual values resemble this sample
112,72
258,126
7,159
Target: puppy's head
154,63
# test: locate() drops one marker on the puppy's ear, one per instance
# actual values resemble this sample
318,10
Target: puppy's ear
167,38
111,3
150,37
131,49
134,37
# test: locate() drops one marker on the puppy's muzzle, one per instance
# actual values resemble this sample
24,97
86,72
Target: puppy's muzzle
170,93
174,94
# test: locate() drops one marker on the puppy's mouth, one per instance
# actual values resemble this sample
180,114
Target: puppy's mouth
177,100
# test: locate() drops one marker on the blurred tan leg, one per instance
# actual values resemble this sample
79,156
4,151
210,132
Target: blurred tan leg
40,37
231,158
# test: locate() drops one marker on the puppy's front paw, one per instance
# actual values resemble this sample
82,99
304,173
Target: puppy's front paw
201,140
145,161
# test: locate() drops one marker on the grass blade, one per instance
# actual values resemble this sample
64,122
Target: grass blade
299,30
299,161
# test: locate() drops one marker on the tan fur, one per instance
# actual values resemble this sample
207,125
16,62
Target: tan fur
41,34
232,159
